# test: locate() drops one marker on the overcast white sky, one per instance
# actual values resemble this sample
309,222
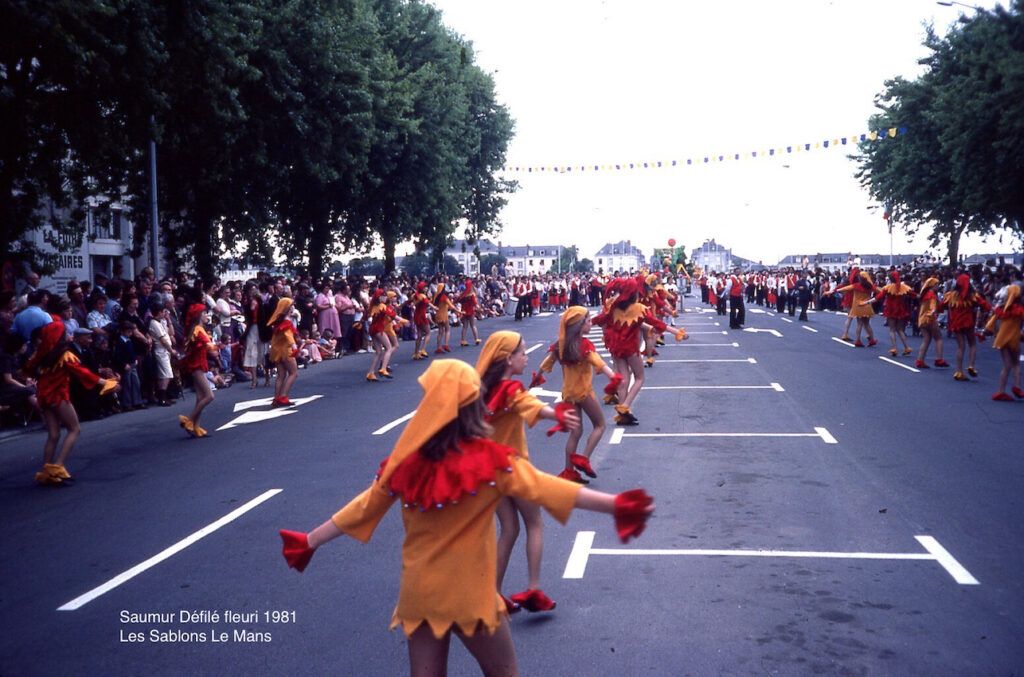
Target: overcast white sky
605,81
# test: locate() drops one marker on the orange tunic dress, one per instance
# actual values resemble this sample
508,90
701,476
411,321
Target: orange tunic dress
282,341
449,555
577,377
859,294
510,409
1008,335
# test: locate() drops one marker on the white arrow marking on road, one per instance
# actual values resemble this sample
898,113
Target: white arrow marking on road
839,340
886,359
809,329
256,417
540,392
583,548
266,401
773,332
82,600
532,348
396,422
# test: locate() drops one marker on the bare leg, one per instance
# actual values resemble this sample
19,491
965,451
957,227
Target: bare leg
636,366
959,336
846,327
972,348
51,419
926,332
495,653
1004,373
572,440
534,539
203,395
428,656
291,374
622,369
867,327
508,532
69,419
596,416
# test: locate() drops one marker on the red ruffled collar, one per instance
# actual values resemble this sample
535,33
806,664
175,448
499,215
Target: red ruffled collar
1016,310
425,484
586,347
502,397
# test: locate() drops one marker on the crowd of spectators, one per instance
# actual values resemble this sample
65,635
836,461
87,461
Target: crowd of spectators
121,328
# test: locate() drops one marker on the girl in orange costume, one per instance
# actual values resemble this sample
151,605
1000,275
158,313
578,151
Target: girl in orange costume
420,319
450,479
381,315
962,302
198,348
579,360
509,406
1007,341
56,365
468,303
847,302
861,291
623,323
896,310
283,349
397,322
444,305
928,322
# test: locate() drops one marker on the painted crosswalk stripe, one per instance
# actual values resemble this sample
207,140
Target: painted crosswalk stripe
126,576
583,549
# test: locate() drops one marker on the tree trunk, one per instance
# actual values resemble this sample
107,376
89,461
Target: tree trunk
954,243
389,255
317,246
202,250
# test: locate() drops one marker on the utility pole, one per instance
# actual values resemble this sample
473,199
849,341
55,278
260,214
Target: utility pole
154,224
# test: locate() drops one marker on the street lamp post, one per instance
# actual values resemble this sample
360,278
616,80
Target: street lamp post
950,3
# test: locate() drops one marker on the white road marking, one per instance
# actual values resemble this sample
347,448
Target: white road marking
769,314
890,361
786,319
778,387
841,341
540,392
583,548
532,348
126,576
809,329
947,561
774,386
545,314
774,332
700,345
616,437
396,422
747,360
262,402
818,432
757,311
256,417
698,333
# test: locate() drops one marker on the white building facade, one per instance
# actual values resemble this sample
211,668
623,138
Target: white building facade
617,257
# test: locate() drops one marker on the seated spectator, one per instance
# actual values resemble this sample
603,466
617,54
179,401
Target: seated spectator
126,362
87,401
309,349
14,391
328,345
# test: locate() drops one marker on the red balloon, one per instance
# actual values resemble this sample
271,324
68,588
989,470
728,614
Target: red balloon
671,242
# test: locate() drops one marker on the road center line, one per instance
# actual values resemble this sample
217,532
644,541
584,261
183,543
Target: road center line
701,345
774,386
532,348
583,548
841,341
786,319
886,359
126,576
396,422
809,328
696,333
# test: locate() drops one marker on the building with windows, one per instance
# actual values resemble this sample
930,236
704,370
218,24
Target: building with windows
521,259
712,256
617,257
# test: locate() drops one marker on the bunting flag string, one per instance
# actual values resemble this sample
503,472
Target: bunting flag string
878,135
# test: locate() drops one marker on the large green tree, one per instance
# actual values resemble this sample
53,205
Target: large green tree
958,168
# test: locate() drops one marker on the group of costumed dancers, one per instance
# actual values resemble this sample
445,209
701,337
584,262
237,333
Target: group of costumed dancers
463,459
963,303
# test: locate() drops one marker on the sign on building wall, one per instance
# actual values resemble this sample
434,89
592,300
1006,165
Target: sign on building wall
70,252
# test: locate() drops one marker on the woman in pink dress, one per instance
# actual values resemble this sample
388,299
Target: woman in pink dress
326,312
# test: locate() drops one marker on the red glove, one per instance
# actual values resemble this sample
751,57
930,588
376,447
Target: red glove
560,410
613,384
294,353
538,379
631,513
296,549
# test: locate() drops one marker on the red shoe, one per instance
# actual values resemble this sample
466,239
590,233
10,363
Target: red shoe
858,344
1018,393
447,349
573,476
872,342
941,363
582,463
533,600
921,364
1002,397
510,606
439,351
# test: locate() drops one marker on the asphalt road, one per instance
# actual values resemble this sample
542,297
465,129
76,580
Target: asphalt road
793,553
